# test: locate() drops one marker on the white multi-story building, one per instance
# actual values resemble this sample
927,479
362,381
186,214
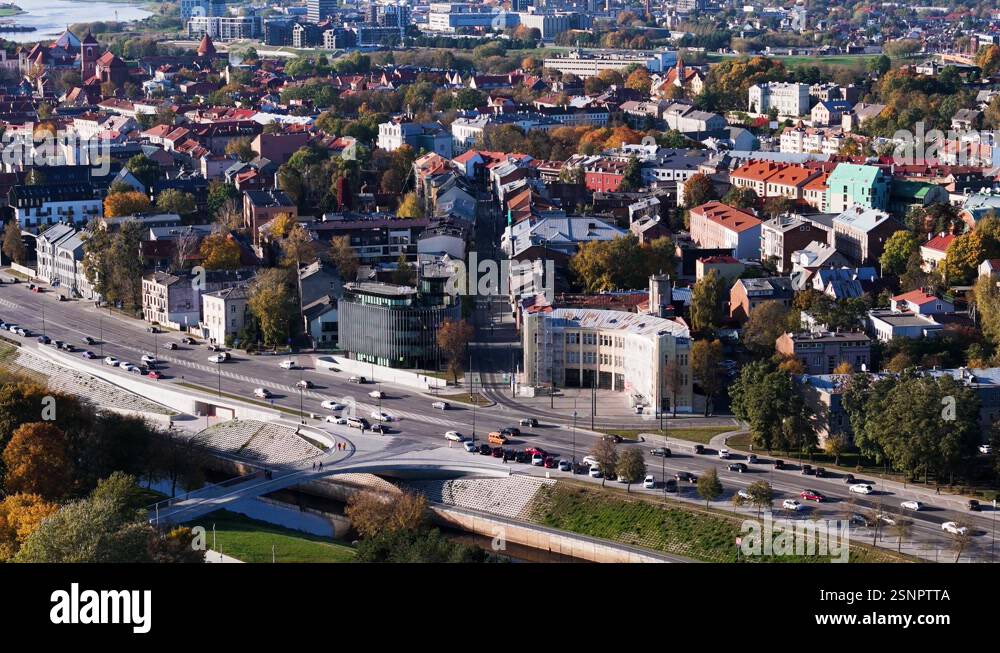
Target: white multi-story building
811,140
788,98
453,16
224,312
588,64
644,356
38,206
225,28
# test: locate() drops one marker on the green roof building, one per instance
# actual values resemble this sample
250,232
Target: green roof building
850,184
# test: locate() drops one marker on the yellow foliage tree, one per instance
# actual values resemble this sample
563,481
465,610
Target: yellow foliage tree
219,252
20,515
37,461
129,203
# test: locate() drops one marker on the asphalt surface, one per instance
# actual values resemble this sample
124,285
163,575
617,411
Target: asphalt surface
128,339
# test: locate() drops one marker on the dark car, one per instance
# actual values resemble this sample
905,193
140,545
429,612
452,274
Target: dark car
974,505
89,340
686,476
188,340
857,519
485,450
498,452
44,340
508,455
522,457
779,464
170,345
511,431
738,467
699,449
68,347
660,451
670,485
849,479
617,439
529,421
808,470
153,329
820,472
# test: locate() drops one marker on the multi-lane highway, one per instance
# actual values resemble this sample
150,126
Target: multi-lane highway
128,340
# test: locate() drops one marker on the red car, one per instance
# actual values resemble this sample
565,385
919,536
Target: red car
533,451
811,495
550,463
153,374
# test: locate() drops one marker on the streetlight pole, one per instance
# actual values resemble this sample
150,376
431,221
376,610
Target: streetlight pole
574,436
102,336
218,373
302,417
43,320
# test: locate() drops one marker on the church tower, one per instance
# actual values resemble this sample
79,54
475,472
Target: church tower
679,79
90,51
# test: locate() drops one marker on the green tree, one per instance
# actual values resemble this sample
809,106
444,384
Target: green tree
761,496
706,359
768,320
706,303
605,452
176,201
741,197
271,302
709,486
773,408
144,169
898,249
698,190
631,466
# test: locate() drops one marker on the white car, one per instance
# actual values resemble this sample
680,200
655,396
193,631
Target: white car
440,405
111,360
376,394
590,460
744,494
147,358
380,416
329,404
565,466
649,482
304,384
454,436
724,454
216,358
954,528
470,446
333,419
861,488
288,365
128,367
886,518
262,393
595,472
912,505
538,460
791,504
985,449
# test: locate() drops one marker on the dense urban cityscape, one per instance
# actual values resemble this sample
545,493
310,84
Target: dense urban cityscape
541,281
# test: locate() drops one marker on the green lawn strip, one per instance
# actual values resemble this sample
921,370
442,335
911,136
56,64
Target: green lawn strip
692,434
464,398
12,372
250,540
661,525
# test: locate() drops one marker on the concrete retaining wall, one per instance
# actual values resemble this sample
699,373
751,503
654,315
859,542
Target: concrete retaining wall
23,269
379,373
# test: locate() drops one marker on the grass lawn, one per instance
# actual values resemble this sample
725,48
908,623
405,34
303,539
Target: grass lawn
792,61
250,540
465,398
661,525
695,434
11,372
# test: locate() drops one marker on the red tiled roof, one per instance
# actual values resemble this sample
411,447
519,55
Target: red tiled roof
731,218
939,243
918,297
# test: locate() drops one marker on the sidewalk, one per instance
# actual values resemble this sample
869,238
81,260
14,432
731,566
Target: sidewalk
216,557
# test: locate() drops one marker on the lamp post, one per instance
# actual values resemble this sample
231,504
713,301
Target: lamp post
101,335
574,436
43,320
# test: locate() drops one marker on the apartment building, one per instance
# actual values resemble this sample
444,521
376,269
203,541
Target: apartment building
861,233
821,352
783,235
718,226
789,99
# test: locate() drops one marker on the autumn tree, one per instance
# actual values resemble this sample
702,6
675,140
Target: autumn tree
453,337
241,148
410,207
271,304
130,203
621,262
342,255
605,452
13,242
229,216
698,189
219,252
631,466
36,461
639,80
297,247
768,320
20,515
374,514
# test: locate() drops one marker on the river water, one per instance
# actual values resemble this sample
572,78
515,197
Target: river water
52,17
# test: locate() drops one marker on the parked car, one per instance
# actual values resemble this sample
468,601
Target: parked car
58,344
485,450
529,421
792,504
188,340
954,528
811,495
44,340
537,460
550,462
89,355
861,488
531,451
857,519
660,451
522,457
68,347
670,485
590,460
454,436
469,446
595,472
498,452
699,449
724,454
381,429
886,518
744,494
565,466
912,505
111,360
974,505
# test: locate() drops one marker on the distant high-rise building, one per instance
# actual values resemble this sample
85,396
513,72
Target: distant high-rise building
520,5
319,10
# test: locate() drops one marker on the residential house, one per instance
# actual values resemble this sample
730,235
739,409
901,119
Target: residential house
785,234
934,251
747,294
225,313
718,226
822,352
850,184
860,233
